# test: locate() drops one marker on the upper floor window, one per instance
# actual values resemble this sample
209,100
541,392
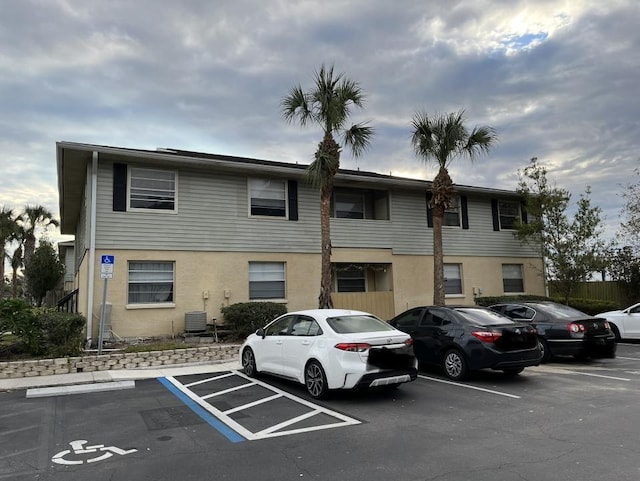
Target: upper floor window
452,279
266,280
152,189
150,282
360,204
452,213
509,214
512,280
268,197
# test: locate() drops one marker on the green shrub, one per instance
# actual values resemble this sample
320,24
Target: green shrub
42,332
62,332
491,300
245,317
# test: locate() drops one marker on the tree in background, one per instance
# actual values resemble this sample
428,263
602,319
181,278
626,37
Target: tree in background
630,229
572,249
624,264
34,217
9,228
328,104
443,138
44,271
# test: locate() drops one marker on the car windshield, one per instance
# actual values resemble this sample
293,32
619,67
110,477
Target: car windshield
357,323
560,310
482,317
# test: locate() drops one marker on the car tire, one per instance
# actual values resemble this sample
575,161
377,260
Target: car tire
546,350
315,380
455,365
249,363
616,331
513,371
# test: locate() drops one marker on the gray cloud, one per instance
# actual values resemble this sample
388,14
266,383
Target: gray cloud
557,81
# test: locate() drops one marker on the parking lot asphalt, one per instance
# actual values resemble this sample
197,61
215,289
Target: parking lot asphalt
564,420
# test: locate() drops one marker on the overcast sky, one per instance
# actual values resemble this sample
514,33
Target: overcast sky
558,80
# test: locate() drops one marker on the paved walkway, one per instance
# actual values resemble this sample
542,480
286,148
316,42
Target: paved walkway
66,381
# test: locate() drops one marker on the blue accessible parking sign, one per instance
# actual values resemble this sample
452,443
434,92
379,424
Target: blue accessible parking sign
106,266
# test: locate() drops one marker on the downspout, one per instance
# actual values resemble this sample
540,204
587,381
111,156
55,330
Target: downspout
92,245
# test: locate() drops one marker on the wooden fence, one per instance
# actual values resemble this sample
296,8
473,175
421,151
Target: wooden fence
603,290
377,303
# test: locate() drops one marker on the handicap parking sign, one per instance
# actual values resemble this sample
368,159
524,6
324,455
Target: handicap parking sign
106,266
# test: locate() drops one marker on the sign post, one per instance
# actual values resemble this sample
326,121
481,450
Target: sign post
106,273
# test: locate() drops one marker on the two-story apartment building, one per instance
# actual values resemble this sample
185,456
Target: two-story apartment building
195,232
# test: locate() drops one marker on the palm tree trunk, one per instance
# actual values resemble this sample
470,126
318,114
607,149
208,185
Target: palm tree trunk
438,256
29,249
2,254
324,300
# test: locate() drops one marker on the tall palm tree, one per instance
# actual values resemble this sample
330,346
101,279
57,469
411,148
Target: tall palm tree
35,216
443,138
16,258
8,230
328,104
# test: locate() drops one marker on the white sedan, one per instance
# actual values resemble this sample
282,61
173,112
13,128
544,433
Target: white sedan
625,324
328,349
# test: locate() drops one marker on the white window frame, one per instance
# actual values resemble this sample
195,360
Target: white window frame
455,207
516,218
251,187
505,278
130,178
151,304
459,273
267,271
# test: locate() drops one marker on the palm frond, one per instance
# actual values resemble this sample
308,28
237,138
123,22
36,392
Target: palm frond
358,138
296,106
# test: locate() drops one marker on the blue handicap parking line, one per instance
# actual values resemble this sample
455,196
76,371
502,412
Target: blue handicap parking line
225,430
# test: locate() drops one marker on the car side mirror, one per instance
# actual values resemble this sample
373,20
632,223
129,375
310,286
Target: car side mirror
260,332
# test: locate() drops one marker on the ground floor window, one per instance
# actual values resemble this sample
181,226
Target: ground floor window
150,282
352,277
512,280
452,279
266,280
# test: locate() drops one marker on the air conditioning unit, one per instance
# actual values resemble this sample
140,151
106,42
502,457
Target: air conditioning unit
195,321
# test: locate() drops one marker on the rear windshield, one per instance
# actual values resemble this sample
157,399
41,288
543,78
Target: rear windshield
560,310
357,323
482,317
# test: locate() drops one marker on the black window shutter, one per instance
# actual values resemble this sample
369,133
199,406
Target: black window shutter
293,199
429,210
494,213
465,211
523,211
120,187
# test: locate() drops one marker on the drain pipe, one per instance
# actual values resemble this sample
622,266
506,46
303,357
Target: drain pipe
92,245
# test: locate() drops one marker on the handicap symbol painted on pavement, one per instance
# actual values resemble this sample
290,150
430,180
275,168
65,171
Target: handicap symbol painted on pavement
78,447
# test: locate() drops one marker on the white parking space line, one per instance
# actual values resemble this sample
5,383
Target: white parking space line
209,379
468,386
599,375
271,431
628,358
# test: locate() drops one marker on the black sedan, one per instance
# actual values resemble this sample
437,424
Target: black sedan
563,330
462,339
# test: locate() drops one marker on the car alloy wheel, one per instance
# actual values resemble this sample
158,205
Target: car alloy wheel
315,380
546,352
249,363
455,365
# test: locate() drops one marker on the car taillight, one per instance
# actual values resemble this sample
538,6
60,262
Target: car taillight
487,336
409,342
353,346
575,327
607,325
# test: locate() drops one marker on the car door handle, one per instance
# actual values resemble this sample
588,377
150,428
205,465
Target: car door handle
278,342
305,343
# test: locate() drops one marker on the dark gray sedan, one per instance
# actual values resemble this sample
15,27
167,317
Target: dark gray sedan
563,330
